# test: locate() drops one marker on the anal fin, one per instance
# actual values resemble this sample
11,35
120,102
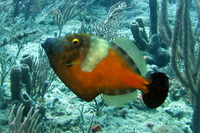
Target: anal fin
119,100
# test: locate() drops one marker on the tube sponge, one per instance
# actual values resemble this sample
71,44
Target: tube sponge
15,77
26,78
27,59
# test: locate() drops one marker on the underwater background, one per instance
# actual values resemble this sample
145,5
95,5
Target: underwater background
34,100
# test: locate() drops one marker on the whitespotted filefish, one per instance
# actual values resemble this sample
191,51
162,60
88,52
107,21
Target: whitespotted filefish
90,66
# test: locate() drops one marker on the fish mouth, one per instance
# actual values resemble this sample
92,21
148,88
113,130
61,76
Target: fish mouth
48,45
53,47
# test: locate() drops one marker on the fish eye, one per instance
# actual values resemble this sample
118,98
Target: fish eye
75,41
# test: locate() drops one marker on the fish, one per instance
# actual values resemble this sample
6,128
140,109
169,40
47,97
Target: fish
41,100
90,66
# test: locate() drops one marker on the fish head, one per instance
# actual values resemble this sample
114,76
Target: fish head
64,50
72,44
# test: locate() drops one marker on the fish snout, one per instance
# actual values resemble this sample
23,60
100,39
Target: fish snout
48,45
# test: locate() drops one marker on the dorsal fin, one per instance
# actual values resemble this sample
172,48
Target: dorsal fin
135,54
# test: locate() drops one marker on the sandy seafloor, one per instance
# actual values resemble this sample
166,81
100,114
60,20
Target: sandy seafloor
134,117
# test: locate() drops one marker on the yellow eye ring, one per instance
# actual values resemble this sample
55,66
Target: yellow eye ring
75,41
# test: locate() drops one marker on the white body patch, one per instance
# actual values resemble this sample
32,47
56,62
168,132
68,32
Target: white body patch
97,51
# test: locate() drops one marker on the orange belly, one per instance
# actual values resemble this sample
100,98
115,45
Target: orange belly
111,74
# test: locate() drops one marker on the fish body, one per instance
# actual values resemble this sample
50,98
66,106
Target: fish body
41,100
89,66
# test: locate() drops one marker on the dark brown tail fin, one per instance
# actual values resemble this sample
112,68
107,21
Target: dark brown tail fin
158,90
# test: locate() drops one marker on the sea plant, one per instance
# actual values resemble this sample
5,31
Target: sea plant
36,74
29,124
98,106
185,53
185,49
85,127
189,76
108,27
68,10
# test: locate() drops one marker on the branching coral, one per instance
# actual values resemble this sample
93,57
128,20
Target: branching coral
30,124
68,10
108,27
189,75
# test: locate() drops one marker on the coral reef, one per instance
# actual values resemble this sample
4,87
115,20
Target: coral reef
158,55
22,75
186,42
